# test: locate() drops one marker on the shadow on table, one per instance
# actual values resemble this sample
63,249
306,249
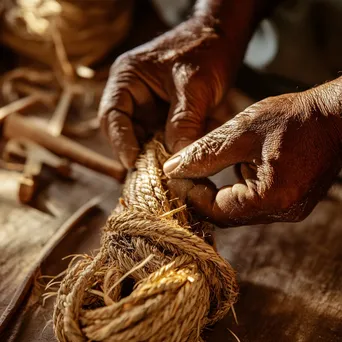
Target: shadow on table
269,315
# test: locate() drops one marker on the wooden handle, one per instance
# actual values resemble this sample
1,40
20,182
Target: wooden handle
17,126
17,106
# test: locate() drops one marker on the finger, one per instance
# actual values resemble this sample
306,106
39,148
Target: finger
180,188
124,94
245,202
121,135
188,109
230,144
184,125
258,198
229,206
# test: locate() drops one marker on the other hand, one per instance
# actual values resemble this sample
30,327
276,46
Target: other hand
188,67
287,149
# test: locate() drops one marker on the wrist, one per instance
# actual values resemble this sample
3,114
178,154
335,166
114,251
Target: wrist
328,98
232,20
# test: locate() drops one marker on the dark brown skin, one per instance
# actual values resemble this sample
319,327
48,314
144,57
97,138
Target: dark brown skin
190,67
287,148
288,152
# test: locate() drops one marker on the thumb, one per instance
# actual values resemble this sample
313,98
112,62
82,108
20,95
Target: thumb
232,205
230,144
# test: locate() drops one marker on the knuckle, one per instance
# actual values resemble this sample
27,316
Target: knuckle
125,60
210,144
242,122
122,73
196,81
206,144
195,153
204,149
183,74
186,119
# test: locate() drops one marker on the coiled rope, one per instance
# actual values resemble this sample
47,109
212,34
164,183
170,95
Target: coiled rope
180,283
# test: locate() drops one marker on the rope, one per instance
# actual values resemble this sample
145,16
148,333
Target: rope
181,284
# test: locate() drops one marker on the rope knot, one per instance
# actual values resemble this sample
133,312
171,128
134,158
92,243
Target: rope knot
154,279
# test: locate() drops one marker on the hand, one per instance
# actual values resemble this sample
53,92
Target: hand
188,67
287,149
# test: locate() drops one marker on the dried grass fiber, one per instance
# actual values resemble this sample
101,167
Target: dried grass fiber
180,283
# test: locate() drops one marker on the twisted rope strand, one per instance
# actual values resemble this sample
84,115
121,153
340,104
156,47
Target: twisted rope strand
181,283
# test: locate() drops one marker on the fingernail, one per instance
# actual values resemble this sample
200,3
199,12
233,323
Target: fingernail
172,164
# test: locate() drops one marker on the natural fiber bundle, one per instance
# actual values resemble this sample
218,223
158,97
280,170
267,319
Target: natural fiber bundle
180,283
88,29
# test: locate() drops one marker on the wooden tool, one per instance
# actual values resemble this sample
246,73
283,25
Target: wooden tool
17,126
35,158
58,118
17,106
13,187
58,125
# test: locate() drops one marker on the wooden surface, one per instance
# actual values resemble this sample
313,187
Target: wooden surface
290,278
26,230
